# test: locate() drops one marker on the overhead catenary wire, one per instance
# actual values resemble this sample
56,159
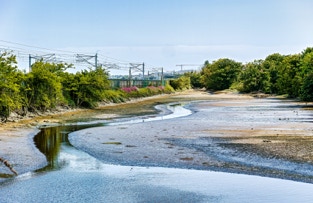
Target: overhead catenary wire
25,53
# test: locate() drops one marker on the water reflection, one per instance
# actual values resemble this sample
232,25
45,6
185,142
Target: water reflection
50,140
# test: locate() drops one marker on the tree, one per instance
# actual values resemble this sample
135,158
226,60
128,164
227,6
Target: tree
306,63
10,81
255,77
195,79
306,93
181,83
273,65
220,74
43,89
289,80
86,88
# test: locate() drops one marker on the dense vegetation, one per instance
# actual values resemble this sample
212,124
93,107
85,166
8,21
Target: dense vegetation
290,75
49,85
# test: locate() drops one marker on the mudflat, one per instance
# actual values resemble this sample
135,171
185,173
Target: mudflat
227,132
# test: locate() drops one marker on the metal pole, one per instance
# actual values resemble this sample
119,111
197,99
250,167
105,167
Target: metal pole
130,75
30,62
96,60
143,70
162,77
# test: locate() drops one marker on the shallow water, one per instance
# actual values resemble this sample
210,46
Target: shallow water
50,140
75,176
83,178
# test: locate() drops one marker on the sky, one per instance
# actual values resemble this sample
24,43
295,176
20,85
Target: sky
160,33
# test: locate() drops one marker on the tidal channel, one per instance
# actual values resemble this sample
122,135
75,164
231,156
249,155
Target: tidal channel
74,176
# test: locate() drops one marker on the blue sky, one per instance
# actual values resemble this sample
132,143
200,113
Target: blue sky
161,33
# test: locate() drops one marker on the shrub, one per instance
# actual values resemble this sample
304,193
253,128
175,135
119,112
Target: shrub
115,96
129,89
144,92
168,89
181,83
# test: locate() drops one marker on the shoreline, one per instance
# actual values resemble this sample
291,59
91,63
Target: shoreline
19,136
229,141
16,138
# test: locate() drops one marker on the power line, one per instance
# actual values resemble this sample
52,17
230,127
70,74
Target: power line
36,47
47,49
26,53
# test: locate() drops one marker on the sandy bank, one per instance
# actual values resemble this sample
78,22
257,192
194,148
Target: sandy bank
266,137
185,142
16,138
18,148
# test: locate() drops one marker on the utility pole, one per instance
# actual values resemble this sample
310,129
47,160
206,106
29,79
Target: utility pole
96,60
162,77
81,58
129,76
30,62
46,58
181,66
143,70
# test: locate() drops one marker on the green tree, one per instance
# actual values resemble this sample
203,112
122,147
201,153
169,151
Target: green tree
43,89
86,88
69,88
220,74
289,81
195,79
273,65
306,64
181,83
306,93
255,77
10,81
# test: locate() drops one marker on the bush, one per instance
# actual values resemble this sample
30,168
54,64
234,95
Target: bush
144,92
195,79
134,92
155,90
115,96
181,83
129,89
168,89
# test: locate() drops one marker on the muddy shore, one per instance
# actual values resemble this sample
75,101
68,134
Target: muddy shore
16,138
186,142
266,137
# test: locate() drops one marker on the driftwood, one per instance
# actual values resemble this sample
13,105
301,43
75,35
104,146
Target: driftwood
7,164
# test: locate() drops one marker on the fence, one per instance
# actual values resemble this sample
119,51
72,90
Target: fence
120,83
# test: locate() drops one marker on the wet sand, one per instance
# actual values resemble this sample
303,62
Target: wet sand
266,137
227,141
16,138
17,147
